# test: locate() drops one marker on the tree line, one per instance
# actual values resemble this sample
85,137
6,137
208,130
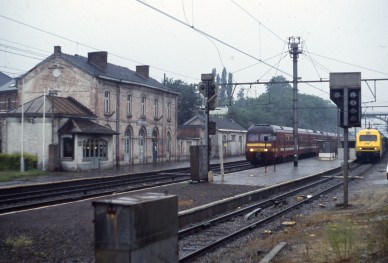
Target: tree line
274,106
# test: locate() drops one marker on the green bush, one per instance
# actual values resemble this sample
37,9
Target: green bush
11,162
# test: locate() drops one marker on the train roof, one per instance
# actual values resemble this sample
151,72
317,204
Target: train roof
370,130
268,128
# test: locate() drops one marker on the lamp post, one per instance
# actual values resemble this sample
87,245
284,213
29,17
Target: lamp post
22,132
52,93
44,132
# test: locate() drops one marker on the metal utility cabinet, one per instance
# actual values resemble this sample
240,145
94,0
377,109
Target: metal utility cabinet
198,163
138,228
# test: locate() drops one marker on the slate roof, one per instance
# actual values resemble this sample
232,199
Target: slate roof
113,72
222,123
6,83
84,126
225,123
63,107
4,78
8,86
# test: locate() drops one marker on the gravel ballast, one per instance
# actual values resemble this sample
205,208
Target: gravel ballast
65,233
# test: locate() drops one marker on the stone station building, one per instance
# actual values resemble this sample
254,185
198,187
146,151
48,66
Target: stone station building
81,113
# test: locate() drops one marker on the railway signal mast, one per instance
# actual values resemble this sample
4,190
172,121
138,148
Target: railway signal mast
345,92
209,89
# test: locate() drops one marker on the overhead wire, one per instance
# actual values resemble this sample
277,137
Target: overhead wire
184,12
316,63
284,41
208,35
280,59
23,55
90,47
252,65
22,50
259,60
350,64
309,53
311,60
258,21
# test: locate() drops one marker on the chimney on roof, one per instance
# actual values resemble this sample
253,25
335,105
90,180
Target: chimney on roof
57,50
143,70
98,59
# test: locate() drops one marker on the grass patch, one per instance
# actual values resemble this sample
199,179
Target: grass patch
18,243
341,238
22,246
6,176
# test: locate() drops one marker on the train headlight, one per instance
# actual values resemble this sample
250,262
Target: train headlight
266,150
251,149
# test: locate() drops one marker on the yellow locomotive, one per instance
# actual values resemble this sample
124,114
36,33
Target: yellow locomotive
370,145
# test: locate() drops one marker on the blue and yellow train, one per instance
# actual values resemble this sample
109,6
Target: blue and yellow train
371,145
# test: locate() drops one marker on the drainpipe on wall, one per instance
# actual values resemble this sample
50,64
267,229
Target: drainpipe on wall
118,125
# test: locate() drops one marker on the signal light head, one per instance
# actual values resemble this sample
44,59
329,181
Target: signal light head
337,95
202,88
354,108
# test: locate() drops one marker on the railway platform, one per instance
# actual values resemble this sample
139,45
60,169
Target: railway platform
260,176
121,170
279,173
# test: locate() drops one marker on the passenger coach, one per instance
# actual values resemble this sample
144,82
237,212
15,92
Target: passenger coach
270,143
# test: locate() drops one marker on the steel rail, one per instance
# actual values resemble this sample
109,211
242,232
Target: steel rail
201,226
32,196
196,254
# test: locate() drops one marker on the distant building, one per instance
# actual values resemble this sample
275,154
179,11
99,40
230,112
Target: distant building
229,135
8,93
85,113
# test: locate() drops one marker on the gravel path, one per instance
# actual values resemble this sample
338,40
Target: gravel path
65,233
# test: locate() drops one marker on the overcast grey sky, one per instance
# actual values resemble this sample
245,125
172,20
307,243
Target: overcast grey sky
338,36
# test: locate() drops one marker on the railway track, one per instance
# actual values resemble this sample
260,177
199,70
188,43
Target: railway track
38,195
201,238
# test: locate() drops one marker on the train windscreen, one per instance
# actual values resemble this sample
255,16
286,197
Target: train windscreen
368,138
254,137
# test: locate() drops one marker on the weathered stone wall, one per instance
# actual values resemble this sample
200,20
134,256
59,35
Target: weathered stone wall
90,92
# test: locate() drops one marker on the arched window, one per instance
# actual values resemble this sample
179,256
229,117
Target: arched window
94,147
142,146
155,145
128,145
168,143
107,102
